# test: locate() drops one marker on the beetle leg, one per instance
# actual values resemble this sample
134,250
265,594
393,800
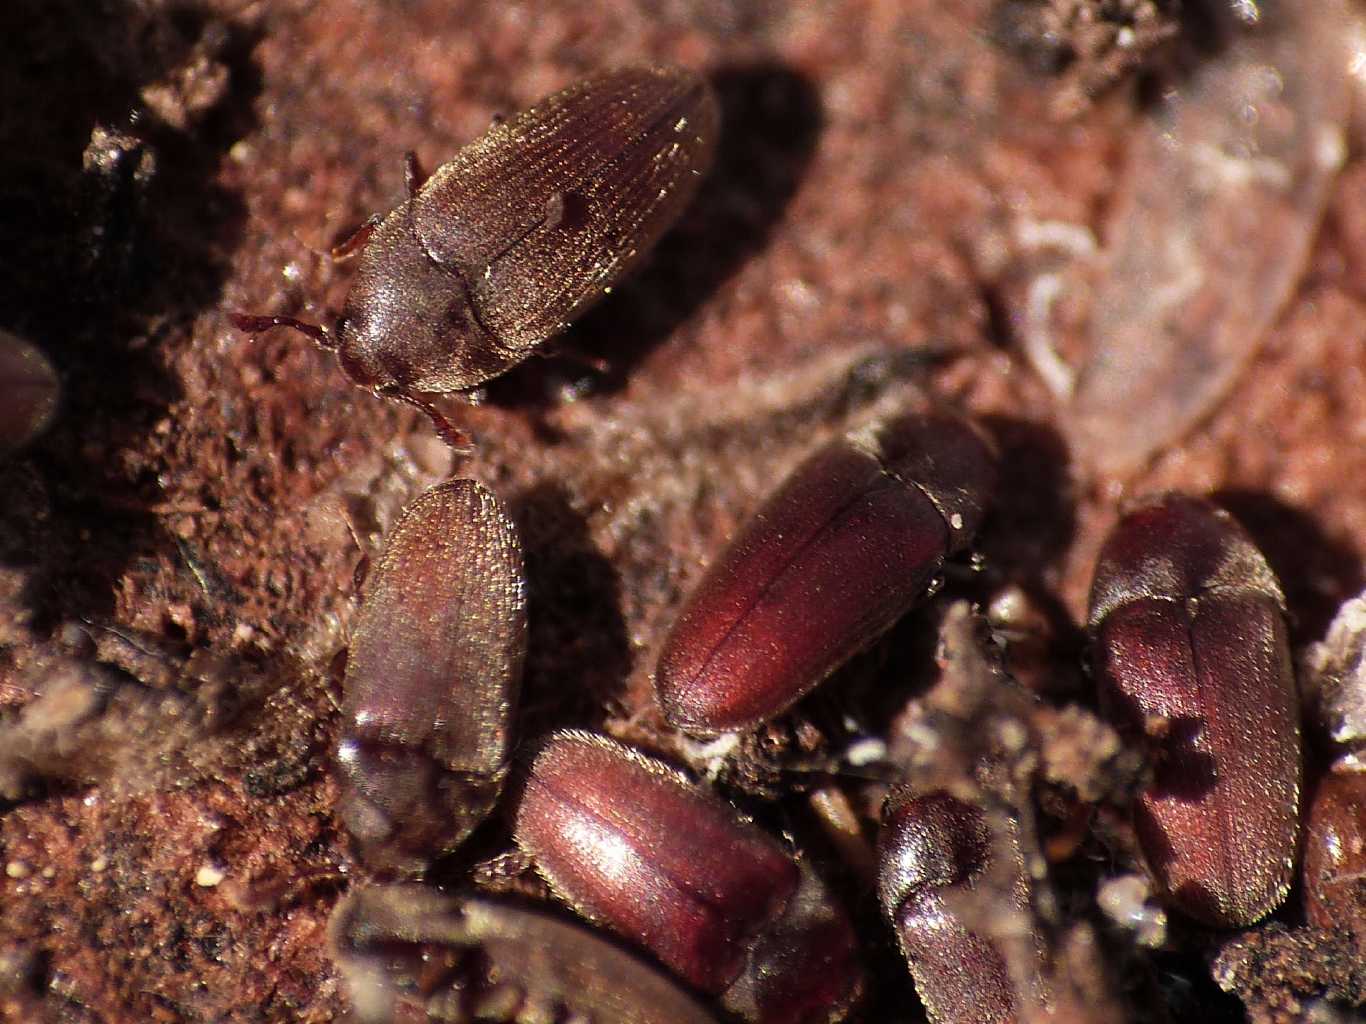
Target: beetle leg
600,365
458,440
413,175
355,241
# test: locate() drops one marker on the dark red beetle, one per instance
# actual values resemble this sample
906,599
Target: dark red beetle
852,539
1191,651
634,844
931,846
409,953
432,676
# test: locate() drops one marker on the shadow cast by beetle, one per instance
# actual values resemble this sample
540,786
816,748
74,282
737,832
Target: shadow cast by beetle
1032,519
1031,525
112,235
578,656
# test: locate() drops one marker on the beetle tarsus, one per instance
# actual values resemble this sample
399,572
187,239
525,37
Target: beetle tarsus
457,440
253,324
599,365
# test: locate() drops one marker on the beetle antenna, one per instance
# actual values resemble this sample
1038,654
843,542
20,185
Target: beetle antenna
256,324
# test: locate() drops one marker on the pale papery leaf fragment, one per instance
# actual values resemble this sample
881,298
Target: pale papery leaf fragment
1225,187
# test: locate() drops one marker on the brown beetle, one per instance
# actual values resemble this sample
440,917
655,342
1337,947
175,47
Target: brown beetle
409,953
518,234
432,675
31,389
933,844
634,844
849,542
1191,648
1335,853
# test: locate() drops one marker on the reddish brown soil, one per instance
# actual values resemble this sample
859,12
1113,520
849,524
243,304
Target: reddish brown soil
173,855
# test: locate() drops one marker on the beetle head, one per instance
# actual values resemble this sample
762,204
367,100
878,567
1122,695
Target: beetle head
403,807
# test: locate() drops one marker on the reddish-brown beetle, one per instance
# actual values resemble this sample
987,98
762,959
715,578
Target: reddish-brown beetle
432,676
1191,649
518,234
1335,853
632,843
933,844
846,545
409,953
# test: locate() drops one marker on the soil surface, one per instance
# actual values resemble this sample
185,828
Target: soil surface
179,550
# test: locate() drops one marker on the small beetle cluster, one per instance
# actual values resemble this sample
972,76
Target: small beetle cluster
1187,622
1191,657
432,677
504,246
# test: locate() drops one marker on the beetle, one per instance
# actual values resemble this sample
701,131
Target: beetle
1190,647
31,388
632,843
520,233
850,541
932,845
408,952
432,676
1334,873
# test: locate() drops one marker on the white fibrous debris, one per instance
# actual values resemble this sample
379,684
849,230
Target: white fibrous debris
1126,902
866,751
710,756
1333,679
